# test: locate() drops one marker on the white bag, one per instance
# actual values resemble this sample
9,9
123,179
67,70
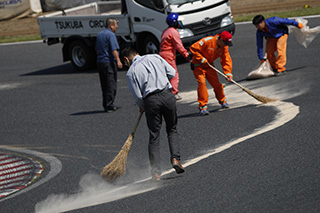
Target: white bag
305,35
263,70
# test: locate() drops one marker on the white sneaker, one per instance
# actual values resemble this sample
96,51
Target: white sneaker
177,96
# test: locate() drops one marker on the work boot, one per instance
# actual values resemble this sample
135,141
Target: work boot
177,166
111,108
225,105
204,111
177,96
277,73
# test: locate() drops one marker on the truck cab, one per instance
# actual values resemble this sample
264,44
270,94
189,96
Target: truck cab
200,18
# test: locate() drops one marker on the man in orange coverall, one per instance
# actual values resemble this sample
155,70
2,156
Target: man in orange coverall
170,43
207,50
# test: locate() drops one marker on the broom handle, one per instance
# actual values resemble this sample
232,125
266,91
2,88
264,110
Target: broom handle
137,123
221,73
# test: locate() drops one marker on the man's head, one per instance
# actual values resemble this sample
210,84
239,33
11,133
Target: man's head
112,24
225,38
128,54
259,22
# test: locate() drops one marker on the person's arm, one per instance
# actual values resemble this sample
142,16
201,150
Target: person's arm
115,54
286,21
226,63
135,90
195,49
259,38
178,44
113,42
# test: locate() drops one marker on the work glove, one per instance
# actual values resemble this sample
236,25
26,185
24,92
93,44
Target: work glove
264,58
229,77
300,25
191,66
189,58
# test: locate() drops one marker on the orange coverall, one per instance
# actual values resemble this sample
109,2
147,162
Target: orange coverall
170,43
207,50
279,45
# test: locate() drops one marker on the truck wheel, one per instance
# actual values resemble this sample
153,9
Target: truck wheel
150,45
82,57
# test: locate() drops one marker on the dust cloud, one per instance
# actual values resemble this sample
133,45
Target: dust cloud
238,98
93,190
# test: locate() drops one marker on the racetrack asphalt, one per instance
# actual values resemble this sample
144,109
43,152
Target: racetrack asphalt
51,109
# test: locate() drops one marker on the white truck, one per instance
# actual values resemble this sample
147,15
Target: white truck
141,23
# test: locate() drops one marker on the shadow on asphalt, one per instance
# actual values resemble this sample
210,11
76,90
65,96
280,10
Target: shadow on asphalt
197,114
297,68
88,112
171,177
66,68
57,70
289,70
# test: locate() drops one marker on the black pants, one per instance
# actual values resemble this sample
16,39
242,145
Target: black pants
108,81
160,105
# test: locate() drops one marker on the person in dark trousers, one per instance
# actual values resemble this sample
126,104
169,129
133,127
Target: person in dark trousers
148,79
276,32
108,62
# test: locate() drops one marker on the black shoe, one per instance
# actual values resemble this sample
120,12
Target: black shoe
111,108
277,73
177,166
177,96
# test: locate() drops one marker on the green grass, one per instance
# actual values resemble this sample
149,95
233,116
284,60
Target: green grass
281,14
240,18
9,39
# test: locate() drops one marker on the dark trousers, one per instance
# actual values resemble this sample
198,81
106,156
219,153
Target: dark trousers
108,82
160,105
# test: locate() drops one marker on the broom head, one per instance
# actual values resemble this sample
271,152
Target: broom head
118,166
259,97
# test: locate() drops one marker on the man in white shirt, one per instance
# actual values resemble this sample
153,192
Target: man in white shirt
148,79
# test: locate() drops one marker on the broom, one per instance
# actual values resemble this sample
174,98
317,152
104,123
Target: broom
118,166
257,97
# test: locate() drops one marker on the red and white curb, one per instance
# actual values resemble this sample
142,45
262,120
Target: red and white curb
17,172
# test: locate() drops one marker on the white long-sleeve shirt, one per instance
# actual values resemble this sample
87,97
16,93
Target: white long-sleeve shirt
148,74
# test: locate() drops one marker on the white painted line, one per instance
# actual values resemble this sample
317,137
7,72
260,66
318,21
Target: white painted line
103,192
286,112
9,86
55,168
100,195
250,22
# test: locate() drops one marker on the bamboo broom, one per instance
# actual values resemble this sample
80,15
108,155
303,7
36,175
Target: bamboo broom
257,97
118,166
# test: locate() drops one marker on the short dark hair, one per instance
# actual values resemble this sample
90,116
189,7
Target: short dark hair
128,51
110,21
257,19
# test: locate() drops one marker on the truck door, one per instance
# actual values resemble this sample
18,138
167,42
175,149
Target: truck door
148,19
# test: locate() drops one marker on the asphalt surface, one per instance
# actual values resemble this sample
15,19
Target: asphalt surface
250,158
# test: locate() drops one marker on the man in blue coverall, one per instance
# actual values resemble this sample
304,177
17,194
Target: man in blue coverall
108,62
276,32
